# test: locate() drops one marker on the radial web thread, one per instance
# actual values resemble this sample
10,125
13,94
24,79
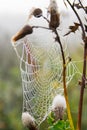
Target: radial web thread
41,72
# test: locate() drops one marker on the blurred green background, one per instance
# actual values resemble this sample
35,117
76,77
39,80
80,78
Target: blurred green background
10,87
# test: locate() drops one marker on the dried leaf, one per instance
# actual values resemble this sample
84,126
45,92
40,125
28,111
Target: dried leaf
78,6
57,39
73,28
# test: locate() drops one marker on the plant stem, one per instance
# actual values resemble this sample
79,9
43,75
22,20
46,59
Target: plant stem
84,68
82,5
41,27
64,80
45,18
82,89
81,24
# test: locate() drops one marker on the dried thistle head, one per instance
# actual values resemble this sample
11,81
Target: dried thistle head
28,121
54,15
37,12
22,33
54,19
58,107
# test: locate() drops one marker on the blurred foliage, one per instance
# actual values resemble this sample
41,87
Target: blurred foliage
11,90
58,125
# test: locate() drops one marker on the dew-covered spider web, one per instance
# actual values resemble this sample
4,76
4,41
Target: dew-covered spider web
41,72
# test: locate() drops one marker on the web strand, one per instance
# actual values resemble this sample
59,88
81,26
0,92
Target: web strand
41,73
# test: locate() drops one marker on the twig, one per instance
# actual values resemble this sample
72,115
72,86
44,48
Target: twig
81,24
82,5
45,18
41,27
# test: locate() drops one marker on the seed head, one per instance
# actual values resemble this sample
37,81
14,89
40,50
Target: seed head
22,33
28,121
37,12
54,15
59,106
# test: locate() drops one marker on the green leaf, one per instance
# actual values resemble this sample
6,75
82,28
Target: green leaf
50,118
60,125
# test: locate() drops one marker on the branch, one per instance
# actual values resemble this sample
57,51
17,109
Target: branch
64,79
41,27
84,67
82,5
81,24
45,19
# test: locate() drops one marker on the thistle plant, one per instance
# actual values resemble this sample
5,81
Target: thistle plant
28,121
60,103
58,107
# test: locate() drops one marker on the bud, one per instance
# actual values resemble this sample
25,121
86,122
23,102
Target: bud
54,15
58,107
22,33
28,121
54,19
37,12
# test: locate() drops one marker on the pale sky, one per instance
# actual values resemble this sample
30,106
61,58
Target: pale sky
22,6
10,8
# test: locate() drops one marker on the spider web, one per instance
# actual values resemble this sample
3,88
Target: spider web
41,73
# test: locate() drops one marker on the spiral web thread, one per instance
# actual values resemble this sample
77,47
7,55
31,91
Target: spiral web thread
41,72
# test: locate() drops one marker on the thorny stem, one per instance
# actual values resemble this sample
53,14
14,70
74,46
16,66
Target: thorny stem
64,80
84,69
